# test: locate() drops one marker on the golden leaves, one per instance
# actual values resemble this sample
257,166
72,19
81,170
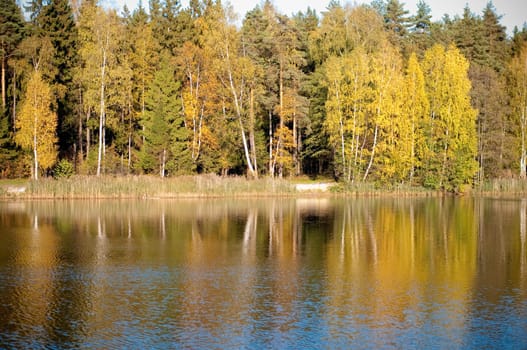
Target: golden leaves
36,123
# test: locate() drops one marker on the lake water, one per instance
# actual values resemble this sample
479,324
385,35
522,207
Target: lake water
377,273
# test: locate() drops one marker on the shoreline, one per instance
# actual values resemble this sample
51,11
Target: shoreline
212,186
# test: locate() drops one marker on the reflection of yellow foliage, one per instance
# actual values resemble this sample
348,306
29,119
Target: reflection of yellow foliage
398,250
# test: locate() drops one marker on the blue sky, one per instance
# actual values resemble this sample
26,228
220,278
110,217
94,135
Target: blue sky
514,12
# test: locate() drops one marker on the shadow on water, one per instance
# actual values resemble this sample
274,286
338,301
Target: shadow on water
367,272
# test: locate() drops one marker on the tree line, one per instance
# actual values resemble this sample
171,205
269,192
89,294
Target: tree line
360,93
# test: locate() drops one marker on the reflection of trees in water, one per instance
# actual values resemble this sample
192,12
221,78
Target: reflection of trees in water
523,233
392,253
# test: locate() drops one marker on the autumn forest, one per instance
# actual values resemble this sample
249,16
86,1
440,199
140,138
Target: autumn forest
369,93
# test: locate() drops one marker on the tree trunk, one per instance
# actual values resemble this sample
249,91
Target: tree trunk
523,156
163,162
80,150
295,142
341,130
35,154
101,115
271,167
14,99
3,82
372,152
279,144
129,153
412,159
88,134
252,172
251,131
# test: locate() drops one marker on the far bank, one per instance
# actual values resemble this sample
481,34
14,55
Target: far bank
204,186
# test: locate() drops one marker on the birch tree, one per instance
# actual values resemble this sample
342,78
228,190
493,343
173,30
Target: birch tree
452,137
233,71
415,113
36,125
518,92
98,48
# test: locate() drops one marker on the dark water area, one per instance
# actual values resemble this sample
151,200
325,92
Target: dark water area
269,273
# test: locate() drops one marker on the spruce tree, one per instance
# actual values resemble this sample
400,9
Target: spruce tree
496,46
57,22
11,33
166,140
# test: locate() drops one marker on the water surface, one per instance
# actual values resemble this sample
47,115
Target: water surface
273,273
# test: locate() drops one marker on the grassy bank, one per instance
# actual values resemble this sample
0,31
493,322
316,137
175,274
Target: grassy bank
214,186
142,187
373,189
80,187
516,187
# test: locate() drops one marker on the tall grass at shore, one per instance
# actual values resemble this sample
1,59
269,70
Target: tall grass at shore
215,186
373,189
151,187
503,186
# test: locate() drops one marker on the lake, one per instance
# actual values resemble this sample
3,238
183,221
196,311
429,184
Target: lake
265,273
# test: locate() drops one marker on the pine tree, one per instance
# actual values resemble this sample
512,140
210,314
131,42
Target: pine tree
421,22
7,147
37,124
395,18
489,97
420,30
468,34
496,47
11,33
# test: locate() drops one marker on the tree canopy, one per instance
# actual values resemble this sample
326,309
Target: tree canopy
359,92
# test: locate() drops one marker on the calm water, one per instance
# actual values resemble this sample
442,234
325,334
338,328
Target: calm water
280,273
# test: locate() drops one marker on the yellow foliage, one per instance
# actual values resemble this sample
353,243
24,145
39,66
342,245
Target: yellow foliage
37,124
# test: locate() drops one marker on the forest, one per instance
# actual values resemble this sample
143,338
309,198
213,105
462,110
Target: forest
359,93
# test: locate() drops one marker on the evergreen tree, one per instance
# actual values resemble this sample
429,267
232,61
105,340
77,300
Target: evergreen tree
420,31
56,21
421,22
395,18
165,134
490,99
11,33
169,23
144,61
7,148
468,35
519,37
496,46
